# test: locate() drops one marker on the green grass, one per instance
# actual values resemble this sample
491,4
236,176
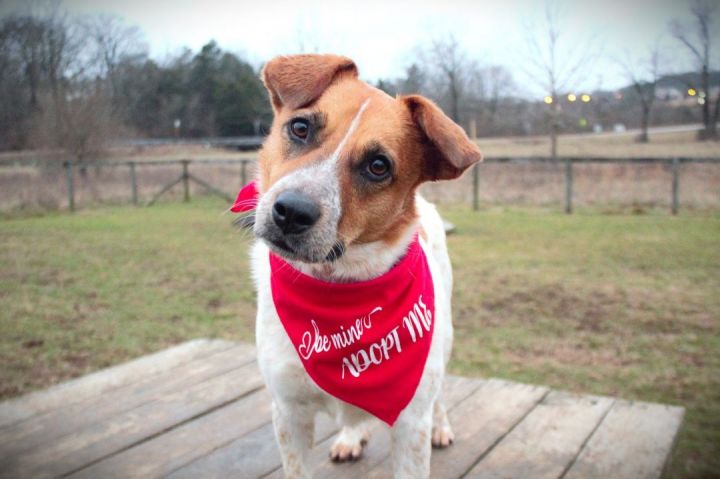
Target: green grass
87,290
606,304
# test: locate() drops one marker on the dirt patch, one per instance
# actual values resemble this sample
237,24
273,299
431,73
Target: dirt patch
587,311
570,354
9,390
33,343
594,311
79,361
214,303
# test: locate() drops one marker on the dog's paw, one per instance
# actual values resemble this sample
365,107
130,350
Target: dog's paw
349,444
442,437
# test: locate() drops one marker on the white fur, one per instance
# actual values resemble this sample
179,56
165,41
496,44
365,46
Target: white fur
296,398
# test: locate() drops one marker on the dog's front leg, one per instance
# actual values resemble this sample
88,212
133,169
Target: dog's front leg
294,431
411,446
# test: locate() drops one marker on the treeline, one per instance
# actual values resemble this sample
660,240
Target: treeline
469,92
210,93
76,83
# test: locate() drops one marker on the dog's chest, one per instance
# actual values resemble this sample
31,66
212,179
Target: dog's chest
278,358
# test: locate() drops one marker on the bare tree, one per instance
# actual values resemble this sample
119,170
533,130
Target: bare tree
23,37
497,84
62,51
644,75
555,62
698,40
452,68
44,48
113,42
88,125
467,90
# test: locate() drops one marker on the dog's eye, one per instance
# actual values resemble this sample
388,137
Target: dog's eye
378,167
299,129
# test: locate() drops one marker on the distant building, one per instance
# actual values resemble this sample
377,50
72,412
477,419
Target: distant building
668,94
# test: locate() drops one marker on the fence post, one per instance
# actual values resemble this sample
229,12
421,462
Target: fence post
243,173
472,133
568,186
133,183
70,185
675,185
186,181
476,187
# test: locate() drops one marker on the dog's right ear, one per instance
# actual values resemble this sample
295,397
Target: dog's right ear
448,150
298,80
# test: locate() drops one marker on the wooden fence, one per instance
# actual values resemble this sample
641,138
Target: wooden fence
186,177
569,177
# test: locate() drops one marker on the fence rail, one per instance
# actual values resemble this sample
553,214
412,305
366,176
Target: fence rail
569,177
186,176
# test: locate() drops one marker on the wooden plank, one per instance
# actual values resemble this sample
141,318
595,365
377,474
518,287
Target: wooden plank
478,423
78,450
378,448
545,442
252,455
634,441
95,384
44,428
167,452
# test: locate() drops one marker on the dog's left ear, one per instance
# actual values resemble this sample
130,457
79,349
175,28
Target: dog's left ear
449,151
297,80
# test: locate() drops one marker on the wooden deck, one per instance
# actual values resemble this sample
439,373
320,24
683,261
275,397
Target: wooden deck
200,410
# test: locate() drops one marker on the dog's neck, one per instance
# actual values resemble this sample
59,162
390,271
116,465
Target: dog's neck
361,262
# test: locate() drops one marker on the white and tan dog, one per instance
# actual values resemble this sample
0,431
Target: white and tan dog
337,178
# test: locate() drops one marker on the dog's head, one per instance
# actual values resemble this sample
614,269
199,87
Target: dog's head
343,159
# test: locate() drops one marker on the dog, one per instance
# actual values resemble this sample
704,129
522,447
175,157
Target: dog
338,214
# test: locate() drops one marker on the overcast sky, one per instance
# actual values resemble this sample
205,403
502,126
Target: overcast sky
382,36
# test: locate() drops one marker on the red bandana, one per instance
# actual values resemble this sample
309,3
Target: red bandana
365,343
246,199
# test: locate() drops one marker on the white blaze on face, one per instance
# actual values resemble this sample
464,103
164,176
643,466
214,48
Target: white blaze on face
321,182
329,170
351,129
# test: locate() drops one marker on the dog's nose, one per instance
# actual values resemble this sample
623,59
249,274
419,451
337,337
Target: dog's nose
294,212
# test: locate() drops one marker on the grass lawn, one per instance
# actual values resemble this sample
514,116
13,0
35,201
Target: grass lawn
614,305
